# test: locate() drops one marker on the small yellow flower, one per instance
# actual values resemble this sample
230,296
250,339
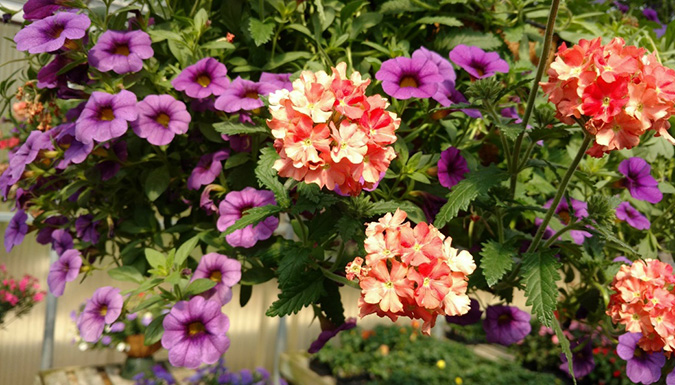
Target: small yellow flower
440,364
458,380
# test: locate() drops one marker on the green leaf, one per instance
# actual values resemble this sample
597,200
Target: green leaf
220,43
477,183
565,346
251,217
155,258
156,183
415,213
286,57
199,286
155,330
237,160
185,249
267,176
261,32
497,260
400,6
245,292
201,18
158,35
444,20
256,275
126,274
297,295
234,128
149,302
540,273
363,22
486,41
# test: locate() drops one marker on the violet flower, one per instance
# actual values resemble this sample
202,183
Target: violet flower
39,9
86,229
582,358
642,367
405,78
639,181
279,81
44,235
194,332
506,325
106,116
65,269
452,167
49,77
51,33
622,259
77,151
109,167
478,63
233,207
226,272
160,118
444,66
243,95
447,95
104,307
27,153
16,230
471,317
121,51
62,241
207,169
634,218
326,335
670,378
205,78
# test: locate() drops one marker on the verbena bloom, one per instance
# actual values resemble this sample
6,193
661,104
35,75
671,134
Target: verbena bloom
51,33
405,78
205,78
634,218
506,325
39,9
471,317
207,170
478,63
194,332
641,367
121,51
104,307
65,269
452,167
326,335
582,358
106,116
639,181
244,95
160,118
226,272
233,207
16,230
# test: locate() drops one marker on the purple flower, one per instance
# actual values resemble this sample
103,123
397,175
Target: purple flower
470,318
77,151
238,143
580,211
431,205
642,367
243,95
506,325
226,272
161,373
51,33
621,7
326,335
205,78
405,78
86,229
104,307
451,167
233,207
207,169
121,51
205,201
194,332
44,235
39,9
444,66
28,152
106,340
634,218
117,327
49,77
160,118
109,168
639,181
61,241
16,230
622,259
447,95
65,269
106,116
670,379
651,15
279,81
478,63
582,358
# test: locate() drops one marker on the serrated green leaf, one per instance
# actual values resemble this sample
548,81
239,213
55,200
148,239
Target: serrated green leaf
251,217
260,32
348,227
443,20
511,131
126,274
154,331
236,128
267,176
199,286
565,346
155,258
297,295
415,213
156,183
540,274
497,260
185,249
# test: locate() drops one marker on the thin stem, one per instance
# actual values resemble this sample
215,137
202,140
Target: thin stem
558,234
561,190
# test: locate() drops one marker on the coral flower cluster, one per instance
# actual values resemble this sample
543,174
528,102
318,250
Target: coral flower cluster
328,132
644,302
620,91
411,271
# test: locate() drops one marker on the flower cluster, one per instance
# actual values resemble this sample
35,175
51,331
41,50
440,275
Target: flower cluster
620,92
218,373
328,132
17,296
643,302
411,271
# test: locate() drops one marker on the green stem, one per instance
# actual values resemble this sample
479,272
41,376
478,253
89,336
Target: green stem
558,234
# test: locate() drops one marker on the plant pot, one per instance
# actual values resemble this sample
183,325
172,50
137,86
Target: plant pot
139,356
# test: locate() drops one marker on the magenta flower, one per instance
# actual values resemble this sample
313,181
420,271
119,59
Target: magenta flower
65,269
51,33
160,118
243,95
205,78
579,210
62,241
77,151
233,208
205,201
207,170
447,95
634,218
28,152
326,335
44,235
405,78
39,9
639,181
106,116
582,358
86,228
670,378
121,51
49,77
16,230
194,332
478,63
506,325
226,272
444,66
104,307
279,81
451,167
642,367
471,317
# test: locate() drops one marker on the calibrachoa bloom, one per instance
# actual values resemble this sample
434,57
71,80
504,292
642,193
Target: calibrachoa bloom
207,170
634,218
51,33
66,269
582,358
326,335
104,307
226,272
205,78
243,94
470,318
16,230
106,116
639,181
121,51
160,118
233,207
451,167
405,78
642,367
411,271
506,325
478,63
328,132
194,332
619,91
39,9
644,302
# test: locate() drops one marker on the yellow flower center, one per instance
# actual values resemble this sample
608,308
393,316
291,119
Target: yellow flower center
606,101
106,114
104,310
195,328
426,282
122,50
251,95
216,276
204,80
163,119
408,81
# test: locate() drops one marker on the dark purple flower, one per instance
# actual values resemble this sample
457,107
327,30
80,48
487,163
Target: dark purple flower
405,78
238,143
106,340
506,325
470,318
39,9
452,167
579,211
326,335
639,181
104,307
478,63
51,33
243,95
207,169
106,116
16,230
61,241
161,373
444,66
651,15
65,269
76,151
160,118
582,358
205,78
634,218
226,272
202,105
431,205
279,81
194,332
233,207
49,77
110,167
44,235
86,229
447,95
642,367
621,7
121,51
6,18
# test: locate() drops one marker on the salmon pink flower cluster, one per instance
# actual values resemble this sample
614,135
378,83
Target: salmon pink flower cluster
328,132
411,271
643,302
620,91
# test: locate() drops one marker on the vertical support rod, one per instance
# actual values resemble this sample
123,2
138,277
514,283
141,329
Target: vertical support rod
47,358
279,347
